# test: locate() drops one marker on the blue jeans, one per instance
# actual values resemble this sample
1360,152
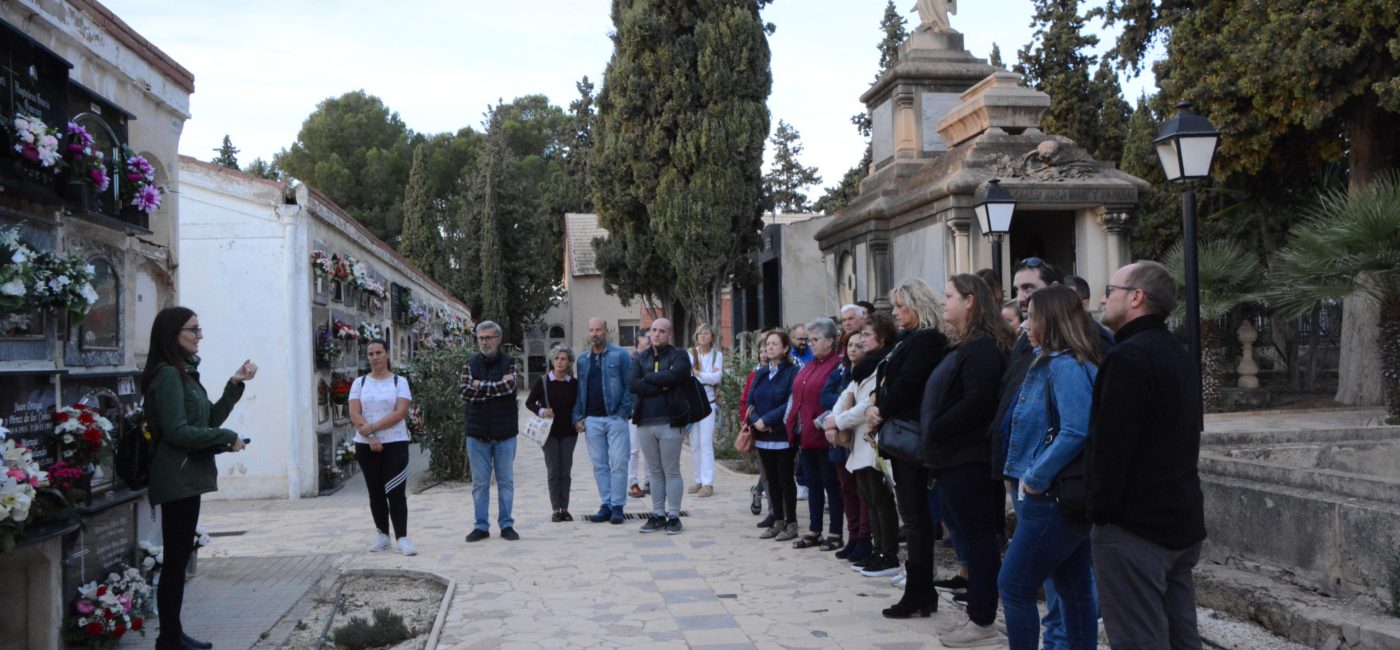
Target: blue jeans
1046,546
609,446
486,456
824,490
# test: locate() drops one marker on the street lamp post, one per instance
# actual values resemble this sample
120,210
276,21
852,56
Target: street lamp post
995,207
1186,146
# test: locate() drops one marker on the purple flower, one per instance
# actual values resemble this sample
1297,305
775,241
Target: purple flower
98,176
147,198
85,607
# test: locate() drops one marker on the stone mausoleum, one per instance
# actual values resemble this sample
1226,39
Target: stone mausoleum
944,122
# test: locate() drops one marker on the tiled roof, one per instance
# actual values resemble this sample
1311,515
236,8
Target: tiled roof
581,229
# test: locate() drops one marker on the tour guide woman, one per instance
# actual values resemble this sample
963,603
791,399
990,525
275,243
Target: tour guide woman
185,428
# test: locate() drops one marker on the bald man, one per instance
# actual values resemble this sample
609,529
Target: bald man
600,414
657,372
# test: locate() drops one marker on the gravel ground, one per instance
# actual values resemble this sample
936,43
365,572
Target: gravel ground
1228,632
416,600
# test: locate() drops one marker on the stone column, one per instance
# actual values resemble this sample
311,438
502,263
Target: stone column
962,245
882,268
1247,368
906,125
1116,225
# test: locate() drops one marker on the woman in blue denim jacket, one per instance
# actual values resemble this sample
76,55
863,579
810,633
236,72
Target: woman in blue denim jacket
1046,545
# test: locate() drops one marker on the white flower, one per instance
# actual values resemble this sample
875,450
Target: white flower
4,433
89,294
21,255
14,287
15,498
88,591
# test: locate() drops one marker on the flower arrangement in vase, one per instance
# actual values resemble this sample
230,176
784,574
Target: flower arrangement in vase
20,482
84,437
38,145
103,612
139,187
328,351
87,163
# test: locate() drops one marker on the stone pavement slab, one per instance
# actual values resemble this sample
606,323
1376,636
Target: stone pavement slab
584,585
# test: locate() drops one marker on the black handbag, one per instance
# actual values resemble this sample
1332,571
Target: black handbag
1068,489
696,402
901,440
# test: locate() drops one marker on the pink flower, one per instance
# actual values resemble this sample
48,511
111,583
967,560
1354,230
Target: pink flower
147,198
98,176
85,607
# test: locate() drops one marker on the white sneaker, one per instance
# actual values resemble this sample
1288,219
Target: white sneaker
406,547
899,580
971,635
380,544
950,621
801,493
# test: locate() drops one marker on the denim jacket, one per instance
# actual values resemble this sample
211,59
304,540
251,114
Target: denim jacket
617,364
1023,431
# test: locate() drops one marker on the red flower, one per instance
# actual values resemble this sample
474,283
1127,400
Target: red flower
93,629
121,629
137,623
60,418
94,447
85,418
107,614
102,591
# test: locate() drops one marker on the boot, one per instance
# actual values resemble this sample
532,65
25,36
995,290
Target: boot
846,551
861,552
919,596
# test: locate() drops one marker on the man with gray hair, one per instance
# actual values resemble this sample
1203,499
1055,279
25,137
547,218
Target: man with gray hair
488,386
852,319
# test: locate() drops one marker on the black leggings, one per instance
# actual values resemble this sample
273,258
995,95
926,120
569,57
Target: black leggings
386,480
911,496
782,489
177,522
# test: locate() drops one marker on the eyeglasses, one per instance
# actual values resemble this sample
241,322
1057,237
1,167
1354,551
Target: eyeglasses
1108,290
488,338
1031,262
193,330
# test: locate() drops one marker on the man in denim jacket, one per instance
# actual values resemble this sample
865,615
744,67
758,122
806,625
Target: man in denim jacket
600,413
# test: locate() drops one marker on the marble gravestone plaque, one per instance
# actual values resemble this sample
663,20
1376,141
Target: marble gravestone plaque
882,132
27,411
106,539
936,106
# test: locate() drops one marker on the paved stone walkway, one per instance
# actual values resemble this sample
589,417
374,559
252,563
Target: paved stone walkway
579,584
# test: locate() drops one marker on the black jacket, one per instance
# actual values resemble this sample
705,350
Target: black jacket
1145,438
769,399
655,373
558,396
496,418
904,372
959,401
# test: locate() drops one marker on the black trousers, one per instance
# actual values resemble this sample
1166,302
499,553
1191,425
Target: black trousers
386,480
782,488
559,466
177,522
879,504
823,489
976,506
911,495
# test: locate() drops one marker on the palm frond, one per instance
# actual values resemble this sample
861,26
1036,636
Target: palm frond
1228,275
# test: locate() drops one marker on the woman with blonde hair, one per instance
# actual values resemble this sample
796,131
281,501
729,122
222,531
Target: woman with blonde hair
1059,386
900,381
707,364
960,402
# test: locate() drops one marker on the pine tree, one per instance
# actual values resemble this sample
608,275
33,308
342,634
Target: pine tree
892,25
1158,224
421,240
787,177
678,178
263,169
1058,62
493,192
995,59
227,154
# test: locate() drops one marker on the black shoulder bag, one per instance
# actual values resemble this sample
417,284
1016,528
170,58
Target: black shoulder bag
1068,489
898,438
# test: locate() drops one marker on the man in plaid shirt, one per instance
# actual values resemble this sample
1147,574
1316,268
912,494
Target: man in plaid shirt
488,386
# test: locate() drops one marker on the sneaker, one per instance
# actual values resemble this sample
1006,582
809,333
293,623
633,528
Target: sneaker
801,493
381,543
789,532
510,534
477,535
773,531
899,581
406,547
860,566
757,506
960,598
953,584
880,567
616,517
950,622
673,526
705,491
635,491
693,489
604,514
653,524
971,635
556,517
565,516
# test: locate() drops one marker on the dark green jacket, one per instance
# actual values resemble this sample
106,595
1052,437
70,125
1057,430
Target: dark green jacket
182,419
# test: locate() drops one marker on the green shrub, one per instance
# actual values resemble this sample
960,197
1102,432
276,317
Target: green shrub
737,366
387,629
434,375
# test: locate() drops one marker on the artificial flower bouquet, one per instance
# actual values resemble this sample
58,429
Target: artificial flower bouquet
104,612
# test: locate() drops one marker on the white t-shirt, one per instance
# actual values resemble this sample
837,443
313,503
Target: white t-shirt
378,397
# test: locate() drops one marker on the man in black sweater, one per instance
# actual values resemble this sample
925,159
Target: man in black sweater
1144,493
657,372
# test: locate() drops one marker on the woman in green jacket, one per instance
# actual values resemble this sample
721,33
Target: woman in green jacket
185,428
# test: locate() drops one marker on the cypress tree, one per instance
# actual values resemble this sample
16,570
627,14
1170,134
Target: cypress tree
1113,113
421,239
578,198
995,58
493,191
1057,62
227,154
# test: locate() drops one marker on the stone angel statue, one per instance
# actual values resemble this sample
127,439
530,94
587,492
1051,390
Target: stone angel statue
933,14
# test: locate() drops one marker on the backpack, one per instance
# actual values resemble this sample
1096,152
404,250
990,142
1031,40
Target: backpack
134,451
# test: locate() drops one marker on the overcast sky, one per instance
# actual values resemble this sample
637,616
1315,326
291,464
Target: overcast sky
261,66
